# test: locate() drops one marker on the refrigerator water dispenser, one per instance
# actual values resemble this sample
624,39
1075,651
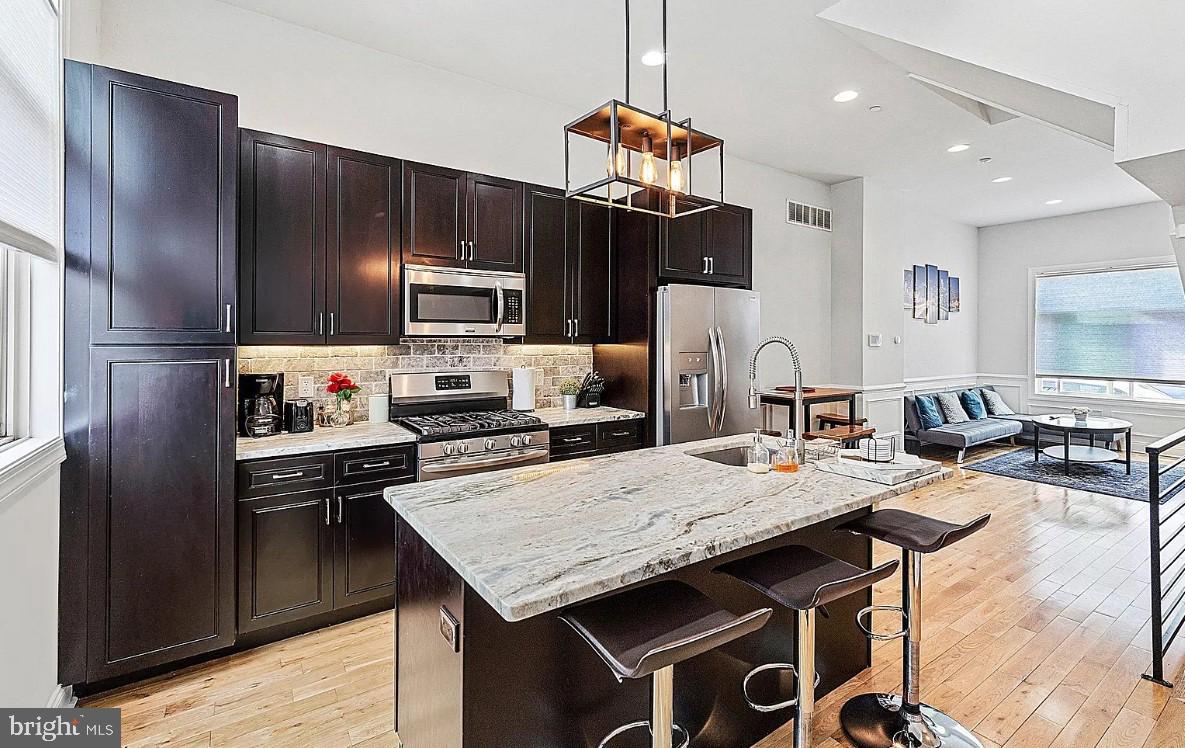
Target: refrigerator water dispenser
693,380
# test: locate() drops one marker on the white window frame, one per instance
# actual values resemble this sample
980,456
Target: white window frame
1138,263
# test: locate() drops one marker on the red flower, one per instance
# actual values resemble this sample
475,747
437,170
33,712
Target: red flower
332,388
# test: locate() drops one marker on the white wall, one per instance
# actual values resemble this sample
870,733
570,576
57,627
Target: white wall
29,585
302,83
1009,252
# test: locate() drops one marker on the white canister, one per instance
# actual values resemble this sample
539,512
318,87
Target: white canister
523,388
379,410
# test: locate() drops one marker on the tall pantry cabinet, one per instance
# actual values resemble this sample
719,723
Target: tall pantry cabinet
147,535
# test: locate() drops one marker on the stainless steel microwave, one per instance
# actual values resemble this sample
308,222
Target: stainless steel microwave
457,302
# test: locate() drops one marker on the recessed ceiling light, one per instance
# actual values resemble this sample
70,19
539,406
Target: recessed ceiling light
997,180
1053,202
845,96
985,160
653,58
874,108
958,148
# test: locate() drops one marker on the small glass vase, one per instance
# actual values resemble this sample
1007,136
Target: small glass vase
343,415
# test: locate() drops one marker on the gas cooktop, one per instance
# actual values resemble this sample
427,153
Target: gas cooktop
483,421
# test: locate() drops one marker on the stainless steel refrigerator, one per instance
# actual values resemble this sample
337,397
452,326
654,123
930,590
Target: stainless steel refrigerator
705,338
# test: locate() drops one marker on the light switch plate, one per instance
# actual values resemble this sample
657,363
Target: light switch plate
306,387
874,340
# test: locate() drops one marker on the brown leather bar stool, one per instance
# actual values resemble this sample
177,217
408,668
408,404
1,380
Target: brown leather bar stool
801,579
879,720
650,629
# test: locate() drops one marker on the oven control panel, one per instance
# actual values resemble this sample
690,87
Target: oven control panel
449,382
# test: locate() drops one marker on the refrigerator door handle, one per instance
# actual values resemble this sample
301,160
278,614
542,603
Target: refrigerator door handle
723,377
714,400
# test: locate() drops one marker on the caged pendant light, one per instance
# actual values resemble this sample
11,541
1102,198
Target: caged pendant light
661,147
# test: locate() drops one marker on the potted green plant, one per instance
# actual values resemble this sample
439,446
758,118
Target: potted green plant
343,389
570,389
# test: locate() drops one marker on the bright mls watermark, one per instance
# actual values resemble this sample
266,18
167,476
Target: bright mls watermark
92,728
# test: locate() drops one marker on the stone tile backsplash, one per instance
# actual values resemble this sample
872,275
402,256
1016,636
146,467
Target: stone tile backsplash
369,365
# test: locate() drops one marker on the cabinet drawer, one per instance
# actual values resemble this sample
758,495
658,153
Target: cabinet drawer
618,434
570,441
381,463
284,475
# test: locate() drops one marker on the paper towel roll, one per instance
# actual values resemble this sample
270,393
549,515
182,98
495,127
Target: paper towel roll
523,385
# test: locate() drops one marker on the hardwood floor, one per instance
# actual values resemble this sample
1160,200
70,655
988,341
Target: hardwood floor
1036,633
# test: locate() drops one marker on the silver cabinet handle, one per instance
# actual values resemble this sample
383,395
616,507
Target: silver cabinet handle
471,252
320,323
229,309
287,476
327,512
460,249
567,328
711,266
705,270
572,439
339,510
331,323
501,303
372,465
576,327
226,381
620,433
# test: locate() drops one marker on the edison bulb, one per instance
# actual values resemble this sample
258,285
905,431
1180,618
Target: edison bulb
616,166
649,172
677,176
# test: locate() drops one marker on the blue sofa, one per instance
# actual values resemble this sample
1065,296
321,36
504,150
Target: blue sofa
961,436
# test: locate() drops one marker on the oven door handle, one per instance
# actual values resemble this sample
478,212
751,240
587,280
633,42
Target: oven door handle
501,305
465,465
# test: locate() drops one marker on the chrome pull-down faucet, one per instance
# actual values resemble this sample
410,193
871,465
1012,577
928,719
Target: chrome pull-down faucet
754,401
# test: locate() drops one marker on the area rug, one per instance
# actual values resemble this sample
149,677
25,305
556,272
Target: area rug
1107,477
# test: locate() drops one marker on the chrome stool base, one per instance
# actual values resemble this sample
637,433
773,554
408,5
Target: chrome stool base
675,730
875,720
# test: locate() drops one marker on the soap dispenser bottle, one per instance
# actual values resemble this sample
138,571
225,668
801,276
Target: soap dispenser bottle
758,456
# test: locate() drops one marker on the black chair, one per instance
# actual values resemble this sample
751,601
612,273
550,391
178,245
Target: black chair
886,720
803,580
650,629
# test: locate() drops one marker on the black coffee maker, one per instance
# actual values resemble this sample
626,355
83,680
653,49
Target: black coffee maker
261,404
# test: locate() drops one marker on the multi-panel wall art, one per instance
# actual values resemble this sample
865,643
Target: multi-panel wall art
930,293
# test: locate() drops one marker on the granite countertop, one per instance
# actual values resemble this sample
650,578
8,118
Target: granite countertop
322,439
535,539
557,417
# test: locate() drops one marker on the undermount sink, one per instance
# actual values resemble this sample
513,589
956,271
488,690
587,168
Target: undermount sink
735,456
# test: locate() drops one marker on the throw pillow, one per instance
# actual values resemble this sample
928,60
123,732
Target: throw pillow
973,404
995,404
952,409
928,412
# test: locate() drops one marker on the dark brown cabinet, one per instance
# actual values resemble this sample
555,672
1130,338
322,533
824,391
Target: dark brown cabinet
362,258
319,234
285,559
587,440
458,219
281,240
714,247
569,269
682,249
162,208
160,555
322,554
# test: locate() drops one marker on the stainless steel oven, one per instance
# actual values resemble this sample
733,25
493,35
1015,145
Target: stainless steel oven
459,302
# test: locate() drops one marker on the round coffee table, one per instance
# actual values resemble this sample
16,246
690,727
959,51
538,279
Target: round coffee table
1092,427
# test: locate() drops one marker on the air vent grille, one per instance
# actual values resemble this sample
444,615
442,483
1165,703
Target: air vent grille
802,214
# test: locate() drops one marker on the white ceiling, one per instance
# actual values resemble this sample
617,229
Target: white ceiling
760,74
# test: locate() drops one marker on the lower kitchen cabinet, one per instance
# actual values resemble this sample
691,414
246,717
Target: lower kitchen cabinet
317,555
588,440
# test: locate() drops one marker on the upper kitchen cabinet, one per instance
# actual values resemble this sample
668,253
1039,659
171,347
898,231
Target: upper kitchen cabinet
569,269
162,196
549,304
457,219
362,262
682,253
281,240
319,243
729,245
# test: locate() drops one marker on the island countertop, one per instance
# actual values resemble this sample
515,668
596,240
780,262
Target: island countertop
535,539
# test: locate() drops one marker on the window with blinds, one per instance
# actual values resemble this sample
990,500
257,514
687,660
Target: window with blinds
1111,325
30,66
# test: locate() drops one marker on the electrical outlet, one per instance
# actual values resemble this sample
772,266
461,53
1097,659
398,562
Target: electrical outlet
306,387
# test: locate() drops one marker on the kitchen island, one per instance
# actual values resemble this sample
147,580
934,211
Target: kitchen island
486,563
